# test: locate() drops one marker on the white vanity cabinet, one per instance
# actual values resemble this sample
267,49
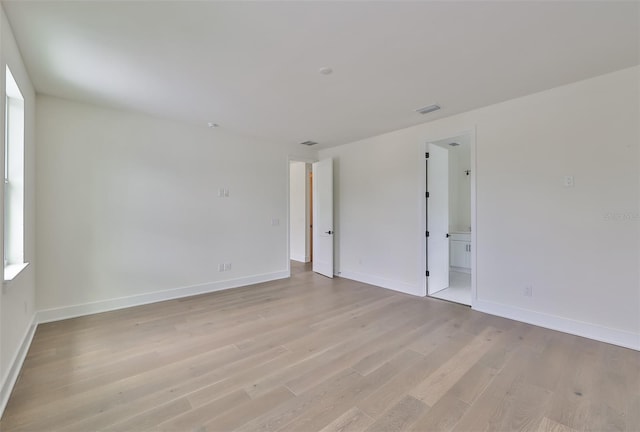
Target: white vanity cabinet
460,250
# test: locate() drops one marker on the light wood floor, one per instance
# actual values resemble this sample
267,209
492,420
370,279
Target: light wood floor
313,354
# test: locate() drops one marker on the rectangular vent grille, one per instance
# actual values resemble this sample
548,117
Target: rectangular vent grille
428,109
309,143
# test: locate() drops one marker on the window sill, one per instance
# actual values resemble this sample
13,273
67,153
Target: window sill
13,270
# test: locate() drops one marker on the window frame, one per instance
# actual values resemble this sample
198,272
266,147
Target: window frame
13,190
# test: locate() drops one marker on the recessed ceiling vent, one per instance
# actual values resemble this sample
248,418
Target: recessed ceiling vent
428,109
454,144
309,143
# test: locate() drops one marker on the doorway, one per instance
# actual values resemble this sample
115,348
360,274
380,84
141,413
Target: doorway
310,215
449,216
300,212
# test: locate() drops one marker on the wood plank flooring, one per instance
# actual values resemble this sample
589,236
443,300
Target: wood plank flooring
313,354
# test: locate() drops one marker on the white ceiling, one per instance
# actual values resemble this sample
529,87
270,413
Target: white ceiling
252,67
464,142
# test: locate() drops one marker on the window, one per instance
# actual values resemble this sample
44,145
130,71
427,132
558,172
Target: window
13,180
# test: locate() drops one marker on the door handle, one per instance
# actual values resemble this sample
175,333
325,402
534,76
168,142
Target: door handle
328,232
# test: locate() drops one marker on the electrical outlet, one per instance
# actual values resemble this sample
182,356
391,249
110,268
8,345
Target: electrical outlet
568,181
221,267
227,266
528,291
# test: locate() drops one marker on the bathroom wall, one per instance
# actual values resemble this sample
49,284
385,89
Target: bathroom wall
460,186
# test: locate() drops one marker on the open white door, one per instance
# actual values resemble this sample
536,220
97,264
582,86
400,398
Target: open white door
323,217
438,219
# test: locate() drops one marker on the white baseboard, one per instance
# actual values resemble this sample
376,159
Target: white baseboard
9,380
402,287
48,315
301,258
65,312
579,328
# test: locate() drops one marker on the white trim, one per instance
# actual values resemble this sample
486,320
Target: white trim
309,160
306,160
391,284
11,271
73,311
474,218
9,380
300,258
288,214
579,328
472,132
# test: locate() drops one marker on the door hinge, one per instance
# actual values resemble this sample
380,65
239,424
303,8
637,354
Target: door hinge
426,155
426,233
427,272
426,194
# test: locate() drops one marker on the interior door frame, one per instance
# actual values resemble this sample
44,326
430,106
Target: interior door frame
425,140
292,158
437,161
323,231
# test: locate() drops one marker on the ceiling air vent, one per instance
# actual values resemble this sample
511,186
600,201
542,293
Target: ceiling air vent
428,109
309,143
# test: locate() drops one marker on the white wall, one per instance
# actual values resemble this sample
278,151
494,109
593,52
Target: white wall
128,208
578,247
18,296
298,231
459,188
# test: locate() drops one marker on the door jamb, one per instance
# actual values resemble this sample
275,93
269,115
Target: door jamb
290,159
474,229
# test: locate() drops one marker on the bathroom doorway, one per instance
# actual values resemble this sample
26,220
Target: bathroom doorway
449,245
